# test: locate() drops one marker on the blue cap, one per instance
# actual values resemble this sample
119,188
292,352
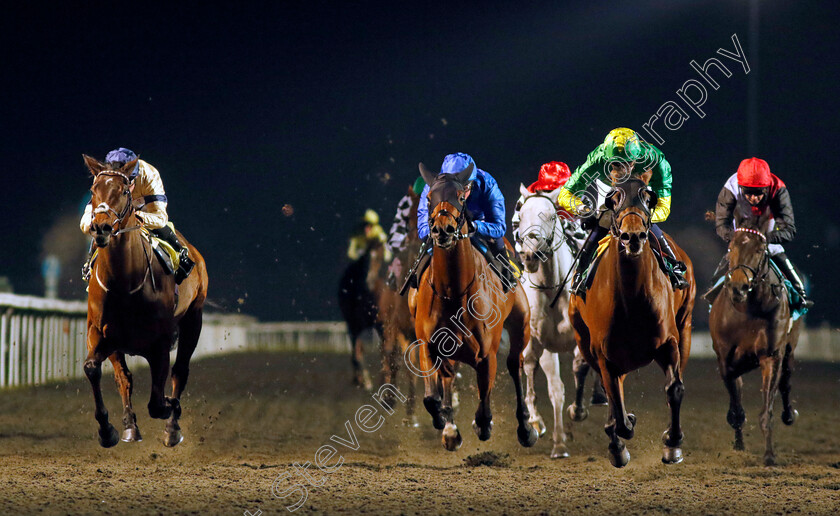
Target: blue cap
123,156
454,163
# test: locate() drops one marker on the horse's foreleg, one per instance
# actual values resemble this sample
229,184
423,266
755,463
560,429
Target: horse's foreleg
125,384
550,364
770,372
669,359
108,435
618,420
531,356
486,374
411,417
431,383
577,410
451,436
736,415
524,432
789,414
599,396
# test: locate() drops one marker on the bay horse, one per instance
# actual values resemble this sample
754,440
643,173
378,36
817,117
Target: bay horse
459,310
548,259
397,321
358,296
132,308
631,316
752,327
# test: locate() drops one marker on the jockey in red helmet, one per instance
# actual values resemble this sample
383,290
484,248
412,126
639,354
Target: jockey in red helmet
755,188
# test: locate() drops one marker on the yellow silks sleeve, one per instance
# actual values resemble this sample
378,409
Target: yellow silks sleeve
662,210
568,201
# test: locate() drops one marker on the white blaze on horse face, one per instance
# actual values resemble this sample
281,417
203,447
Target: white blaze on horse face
102,208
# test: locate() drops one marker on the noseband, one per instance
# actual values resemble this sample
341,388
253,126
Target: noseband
624,205
459,220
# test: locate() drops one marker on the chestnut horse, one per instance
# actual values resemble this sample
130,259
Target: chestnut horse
397,322
752,326
457,309
132,308
631,316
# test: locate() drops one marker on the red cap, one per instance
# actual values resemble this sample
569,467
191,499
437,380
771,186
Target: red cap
754,173
552,176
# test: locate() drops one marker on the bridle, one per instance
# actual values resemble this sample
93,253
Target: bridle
460,220
623,205
753,272
103,207
549,242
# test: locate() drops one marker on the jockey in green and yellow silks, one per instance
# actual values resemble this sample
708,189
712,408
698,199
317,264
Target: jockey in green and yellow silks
623,152
369,233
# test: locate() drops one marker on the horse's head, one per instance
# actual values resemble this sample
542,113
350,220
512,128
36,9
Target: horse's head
447,210
748,254
631,202
110,198
538,226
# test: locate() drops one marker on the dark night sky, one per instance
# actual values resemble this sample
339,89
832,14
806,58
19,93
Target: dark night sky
246,108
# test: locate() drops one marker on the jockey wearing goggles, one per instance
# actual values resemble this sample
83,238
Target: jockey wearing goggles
623,154
754,189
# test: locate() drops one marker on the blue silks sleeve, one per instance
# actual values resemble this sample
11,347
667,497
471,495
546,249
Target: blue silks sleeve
493,202
423,214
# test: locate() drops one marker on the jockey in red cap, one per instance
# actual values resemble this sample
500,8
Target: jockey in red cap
552,176
756,189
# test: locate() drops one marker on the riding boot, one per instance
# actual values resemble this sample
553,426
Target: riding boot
676,268
185,262
717,280
783,263
585,257
87,265
497,252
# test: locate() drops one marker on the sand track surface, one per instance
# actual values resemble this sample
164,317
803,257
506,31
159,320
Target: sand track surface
247,418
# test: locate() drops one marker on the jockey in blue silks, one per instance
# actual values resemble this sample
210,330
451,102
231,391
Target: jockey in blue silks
486,218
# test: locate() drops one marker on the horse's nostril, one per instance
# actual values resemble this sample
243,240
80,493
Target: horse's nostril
106,228
643,236
625,237
450,229
435,230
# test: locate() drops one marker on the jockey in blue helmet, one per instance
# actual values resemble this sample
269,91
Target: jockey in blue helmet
486,217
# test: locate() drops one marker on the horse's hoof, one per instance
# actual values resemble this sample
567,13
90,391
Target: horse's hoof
539,426
619,456
131,435
171,439
789,418
451,437
577,413
599,399
559,452
672,455
769,459
482,433
109,437
527,435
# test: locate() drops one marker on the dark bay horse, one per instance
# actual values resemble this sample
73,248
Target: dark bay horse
358,298
132,308
752,327
631,316
397,322
459,310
